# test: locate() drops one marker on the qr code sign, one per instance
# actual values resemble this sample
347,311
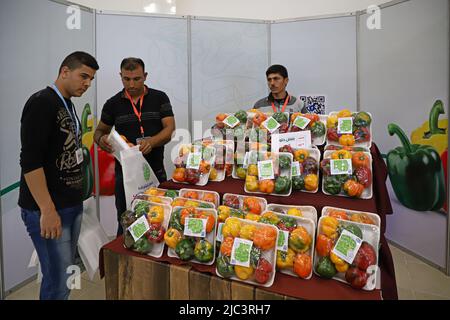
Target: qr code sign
314,104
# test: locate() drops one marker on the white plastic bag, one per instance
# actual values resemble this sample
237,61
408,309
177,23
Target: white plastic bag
117,143
138,176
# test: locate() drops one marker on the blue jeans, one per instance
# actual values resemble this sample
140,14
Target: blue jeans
55,255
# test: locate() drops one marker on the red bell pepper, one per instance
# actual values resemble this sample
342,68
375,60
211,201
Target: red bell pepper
156,233
106,167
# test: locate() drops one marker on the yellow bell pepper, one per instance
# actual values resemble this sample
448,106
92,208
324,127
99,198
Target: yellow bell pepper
332,121
243,273
223,213
311,182
247,232
437,135
285,260
231,228
329,227
251,183
295,212
172,237
345,113
155,214
252,170
300,155
341,265
252,217
347,140
191,203
341,154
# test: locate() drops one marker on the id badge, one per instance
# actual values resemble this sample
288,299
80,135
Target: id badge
140,139
79,155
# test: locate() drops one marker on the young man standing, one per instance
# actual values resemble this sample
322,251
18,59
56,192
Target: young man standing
51,184
279,100
144,116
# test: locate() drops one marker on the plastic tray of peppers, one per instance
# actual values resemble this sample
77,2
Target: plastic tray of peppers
309,159
259,133
361,273
199,249
295,245
198,176
355,185
186,202
161,192
238,132
157,215
308,212
281,185
203,195
248,204
361,135
352,215
317,126
259,269
223,165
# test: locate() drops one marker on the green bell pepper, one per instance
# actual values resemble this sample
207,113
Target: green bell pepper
242,116
142,246
284,161
352,229
362,119
185,249
206,205
332,184
281,117
416,174
175,221
282,185
298,183
325,268
224,267
171,194
141,208
318,129
203,251
238,213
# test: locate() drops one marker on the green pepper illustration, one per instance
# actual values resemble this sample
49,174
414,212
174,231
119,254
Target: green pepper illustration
416,174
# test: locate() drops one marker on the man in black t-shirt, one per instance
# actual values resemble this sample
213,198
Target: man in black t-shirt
144,116
51,184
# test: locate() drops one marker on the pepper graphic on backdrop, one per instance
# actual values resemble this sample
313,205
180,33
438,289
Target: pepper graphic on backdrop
416,170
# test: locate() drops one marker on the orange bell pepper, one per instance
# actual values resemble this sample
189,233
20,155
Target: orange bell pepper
227,246
252,205
264,237
302,265
266,186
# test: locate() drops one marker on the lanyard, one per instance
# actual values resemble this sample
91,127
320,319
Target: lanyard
284,105
72,114
138,114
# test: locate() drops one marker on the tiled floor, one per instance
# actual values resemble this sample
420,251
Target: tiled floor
415,280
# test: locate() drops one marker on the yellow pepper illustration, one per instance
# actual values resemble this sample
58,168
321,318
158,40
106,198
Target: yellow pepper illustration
434,131
87,127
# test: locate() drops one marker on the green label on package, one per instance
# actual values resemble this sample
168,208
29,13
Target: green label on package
195,227
341,166
139,228
345,126
347,246
271,124
219,236
231,121
240,253
301,122
283,237
265,170
296,171
193,160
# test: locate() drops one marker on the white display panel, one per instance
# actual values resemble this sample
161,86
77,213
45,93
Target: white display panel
229,60
162,44
404,69
35,40
320,56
